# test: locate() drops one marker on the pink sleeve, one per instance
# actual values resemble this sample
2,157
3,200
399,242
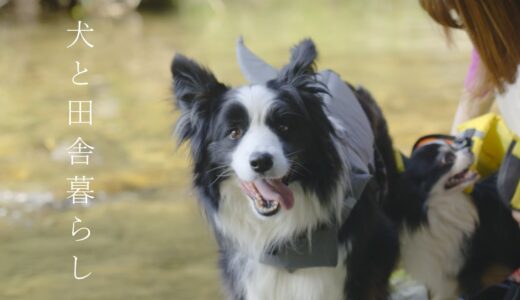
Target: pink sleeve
472,71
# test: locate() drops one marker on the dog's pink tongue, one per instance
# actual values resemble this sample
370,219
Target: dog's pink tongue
275,190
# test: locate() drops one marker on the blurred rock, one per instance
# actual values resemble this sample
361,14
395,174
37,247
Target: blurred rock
26,10
60,152
108,8
14,204
3,3
159,5
55,5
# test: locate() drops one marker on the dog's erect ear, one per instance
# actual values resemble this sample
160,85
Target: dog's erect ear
193,84
303,57
302,63
300,72
195,89
298,80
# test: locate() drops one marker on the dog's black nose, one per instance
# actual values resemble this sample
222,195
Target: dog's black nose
261,162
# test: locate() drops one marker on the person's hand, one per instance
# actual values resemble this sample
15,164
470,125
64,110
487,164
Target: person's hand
516,216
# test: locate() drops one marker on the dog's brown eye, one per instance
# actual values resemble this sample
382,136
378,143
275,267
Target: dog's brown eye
235,133
283,128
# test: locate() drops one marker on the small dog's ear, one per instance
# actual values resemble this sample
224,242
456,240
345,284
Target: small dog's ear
194,88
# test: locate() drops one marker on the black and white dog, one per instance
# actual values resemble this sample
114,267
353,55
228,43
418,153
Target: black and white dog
450,241
268,168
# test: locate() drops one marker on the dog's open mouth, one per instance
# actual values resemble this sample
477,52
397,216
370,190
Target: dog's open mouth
462,177
268,195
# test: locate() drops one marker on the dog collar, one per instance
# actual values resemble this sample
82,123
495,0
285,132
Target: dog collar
320,249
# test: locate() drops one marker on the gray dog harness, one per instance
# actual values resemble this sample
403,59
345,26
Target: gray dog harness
357,138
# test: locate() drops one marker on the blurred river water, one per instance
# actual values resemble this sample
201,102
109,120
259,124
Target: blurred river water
149,239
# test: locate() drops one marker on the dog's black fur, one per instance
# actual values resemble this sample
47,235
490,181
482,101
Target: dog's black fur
207,114
495,242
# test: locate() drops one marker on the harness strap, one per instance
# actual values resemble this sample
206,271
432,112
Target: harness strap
509,175
399,161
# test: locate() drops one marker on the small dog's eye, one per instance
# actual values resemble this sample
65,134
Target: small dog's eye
449,158
283,128
235,134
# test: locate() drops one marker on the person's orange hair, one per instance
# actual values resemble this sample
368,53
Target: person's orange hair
492,25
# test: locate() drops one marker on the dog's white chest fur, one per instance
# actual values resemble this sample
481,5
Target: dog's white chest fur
433,254
262,282
253,236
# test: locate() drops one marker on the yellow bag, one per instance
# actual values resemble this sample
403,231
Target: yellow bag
492,143
491,139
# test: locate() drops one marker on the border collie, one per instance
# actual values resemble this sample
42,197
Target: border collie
452,241
269,170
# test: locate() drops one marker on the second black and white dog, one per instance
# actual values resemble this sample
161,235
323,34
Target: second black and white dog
268,168
450,240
